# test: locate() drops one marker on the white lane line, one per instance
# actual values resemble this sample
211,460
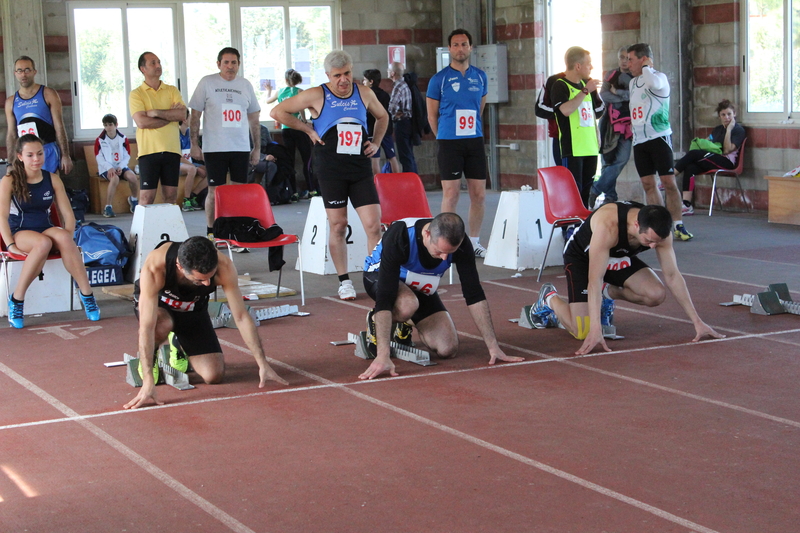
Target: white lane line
544,358
163,477
502,451
642,311
568,360
236,526
571,362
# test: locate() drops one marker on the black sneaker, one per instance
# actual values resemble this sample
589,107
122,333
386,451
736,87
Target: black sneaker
372,339
402,334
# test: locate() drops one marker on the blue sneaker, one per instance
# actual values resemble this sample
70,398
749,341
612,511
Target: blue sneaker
133,202
90,306
541,315
108,212
607,312
16,315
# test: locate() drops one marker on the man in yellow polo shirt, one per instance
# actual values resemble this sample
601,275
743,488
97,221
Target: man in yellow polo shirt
156,108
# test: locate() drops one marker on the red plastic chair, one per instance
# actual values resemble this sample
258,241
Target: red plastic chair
562,202
251,200
735,172
402,195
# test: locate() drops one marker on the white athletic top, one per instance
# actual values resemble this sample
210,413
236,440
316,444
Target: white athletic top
649,106
225,106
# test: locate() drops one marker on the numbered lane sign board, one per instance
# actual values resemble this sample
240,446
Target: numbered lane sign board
316,239
520,233
152,224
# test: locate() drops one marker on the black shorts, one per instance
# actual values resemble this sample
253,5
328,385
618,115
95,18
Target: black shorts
429,304
122,172
577,271
163,166
335,192
461,155
194,329
654,156
218,164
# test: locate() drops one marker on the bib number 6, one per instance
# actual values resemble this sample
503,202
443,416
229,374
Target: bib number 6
424,289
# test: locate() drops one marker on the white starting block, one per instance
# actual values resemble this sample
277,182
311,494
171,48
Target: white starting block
152,224
221,316
316,237
51,292
775,300
166,374
520,232
609,332
399,351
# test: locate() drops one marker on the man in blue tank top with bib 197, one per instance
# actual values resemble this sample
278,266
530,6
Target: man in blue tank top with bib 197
342,152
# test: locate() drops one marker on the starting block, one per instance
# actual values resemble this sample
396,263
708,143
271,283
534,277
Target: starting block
776,300
609,332
166,373
221,316
399,351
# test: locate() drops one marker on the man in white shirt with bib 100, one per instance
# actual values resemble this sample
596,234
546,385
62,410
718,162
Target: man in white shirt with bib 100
231,119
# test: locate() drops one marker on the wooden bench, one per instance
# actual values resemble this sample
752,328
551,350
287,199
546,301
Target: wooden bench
98,187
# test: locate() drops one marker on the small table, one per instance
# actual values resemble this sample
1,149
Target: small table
784,199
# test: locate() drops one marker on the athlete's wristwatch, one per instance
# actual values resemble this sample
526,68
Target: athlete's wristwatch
585,90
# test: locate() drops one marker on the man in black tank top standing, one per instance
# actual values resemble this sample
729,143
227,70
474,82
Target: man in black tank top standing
341,154
171,295
601,266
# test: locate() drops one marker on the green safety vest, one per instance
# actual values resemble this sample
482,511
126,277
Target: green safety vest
582,125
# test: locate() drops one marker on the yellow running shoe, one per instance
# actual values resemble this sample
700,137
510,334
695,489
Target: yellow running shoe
155,370
177,357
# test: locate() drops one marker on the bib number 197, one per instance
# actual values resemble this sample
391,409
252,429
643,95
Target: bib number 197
349,139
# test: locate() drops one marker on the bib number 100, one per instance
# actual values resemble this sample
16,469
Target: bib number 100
231,115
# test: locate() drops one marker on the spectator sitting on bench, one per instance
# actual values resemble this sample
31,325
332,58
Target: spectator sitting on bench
113,153
193,169
27,194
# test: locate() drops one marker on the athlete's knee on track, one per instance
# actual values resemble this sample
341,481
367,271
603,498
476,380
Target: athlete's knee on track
446,348
655,295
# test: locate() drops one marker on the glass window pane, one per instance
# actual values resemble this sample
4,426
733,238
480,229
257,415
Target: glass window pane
765,56
101,88
311,41
263,51
576,23
208,30
150,30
